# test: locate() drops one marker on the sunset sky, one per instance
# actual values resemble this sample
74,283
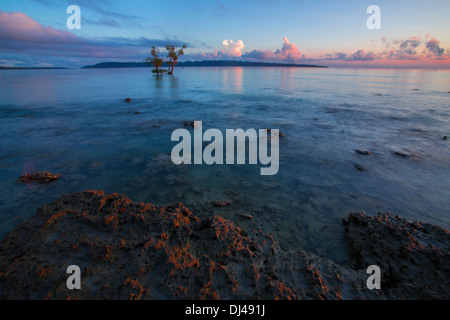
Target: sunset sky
413,33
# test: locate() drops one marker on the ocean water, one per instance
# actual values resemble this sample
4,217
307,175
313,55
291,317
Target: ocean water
76,123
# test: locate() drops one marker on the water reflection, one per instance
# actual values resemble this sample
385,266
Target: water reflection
232,78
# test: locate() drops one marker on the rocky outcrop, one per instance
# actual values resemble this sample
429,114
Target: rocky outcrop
413,257
128,250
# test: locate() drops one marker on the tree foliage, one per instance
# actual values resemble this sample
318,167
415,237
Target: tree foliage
155,61
172,55
172,58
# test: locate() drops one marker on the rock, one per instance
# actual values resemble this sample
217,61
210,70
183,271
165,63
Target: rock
41,177
189,124
444,138
352,195
360,167
127,100
136,112
362,152
406,153
128,250
414,257
219,203
247,216
402,154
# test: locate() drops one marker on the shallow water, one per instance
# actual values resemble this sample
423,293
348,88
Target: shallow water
75,122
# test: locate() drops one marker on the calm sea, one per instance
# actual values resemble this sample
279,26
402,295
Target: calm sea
75,122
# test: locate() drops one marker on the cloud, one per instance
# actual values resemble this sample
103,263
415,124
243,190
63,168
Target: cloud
233,50
358,56
412,49
401,49
18,27
100,12
24,40
433,46
20,34
288,53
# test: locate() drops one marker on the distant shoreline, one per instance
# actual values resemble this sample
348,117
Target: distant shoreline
31,68
205,63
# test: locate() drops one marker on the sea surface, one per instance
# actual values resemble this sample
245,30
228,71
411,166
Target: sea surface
75,122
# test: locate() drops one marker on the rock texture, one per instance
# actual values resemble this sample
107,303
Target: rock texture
413,256
41,177
128,250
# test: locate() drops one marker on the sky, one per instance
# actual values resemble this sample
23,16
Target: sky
412,34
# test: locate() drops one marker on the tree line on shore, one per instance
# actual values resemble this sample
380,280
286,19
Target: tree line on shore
172,59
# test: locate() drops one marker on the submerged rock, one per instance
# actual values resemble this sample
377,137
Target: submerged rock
362,152
219,203
41,177
414,257
402,154
129,250
360,167
127,100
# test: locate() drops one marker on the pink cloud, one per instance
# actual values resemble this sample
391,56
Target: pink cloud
358,56
433,47
232,50
288,53
410,51
21,34
17,26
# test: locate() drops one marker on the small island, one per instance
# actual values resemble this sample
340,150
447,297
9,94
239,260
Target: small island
204,63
